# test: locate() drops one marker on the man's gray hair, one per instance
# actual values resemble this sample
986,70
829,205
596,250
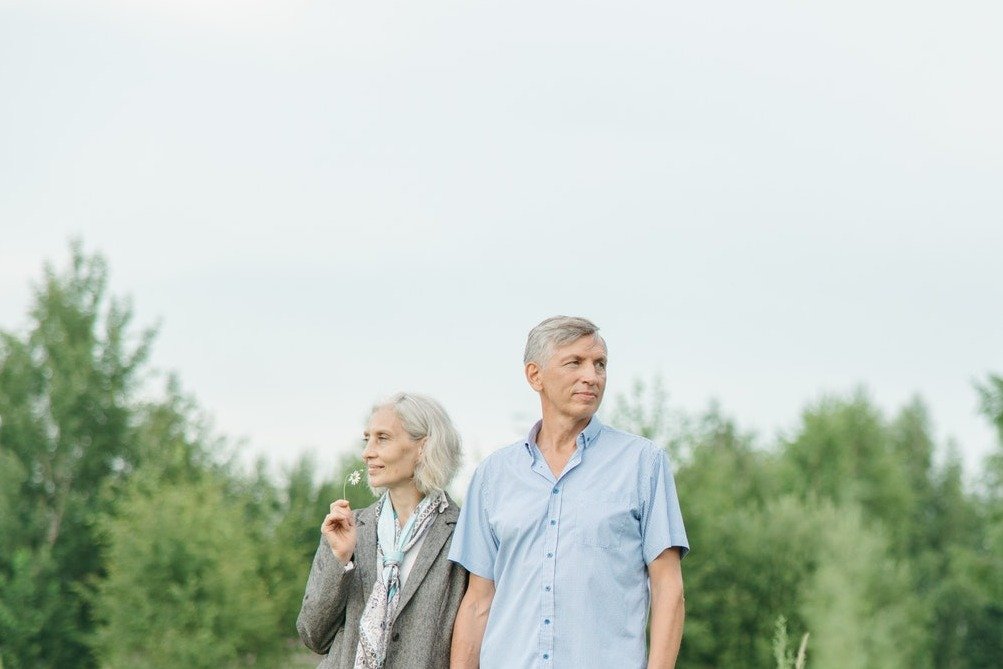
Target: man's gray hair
557,331
423,417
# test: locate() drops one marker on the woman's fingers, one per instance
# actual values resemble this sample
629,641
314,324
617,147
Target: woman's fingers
340,504
339,517
341,510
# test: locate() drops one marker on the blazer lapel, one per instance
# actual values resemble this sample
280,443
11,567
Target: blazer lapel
438,532
365,548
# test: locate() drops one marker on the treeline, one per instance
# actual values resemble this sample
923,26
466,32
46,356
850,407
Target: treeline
129,537
857,529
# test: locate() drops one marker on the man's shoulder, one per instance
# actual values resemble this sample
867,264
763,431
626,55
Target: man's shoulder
490,472
503,455
628,440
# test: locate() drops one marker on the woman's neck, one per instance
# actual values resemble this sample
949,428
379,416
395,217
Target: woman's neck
404,499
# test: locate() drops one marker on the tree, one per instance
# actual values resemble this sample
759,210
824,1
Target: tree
983,562
183,588
845,452
65,394
751,567
802,531
859,602
991,406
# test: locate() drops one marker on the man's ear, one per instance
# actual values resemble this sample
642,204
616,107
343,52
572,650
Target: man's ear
533,376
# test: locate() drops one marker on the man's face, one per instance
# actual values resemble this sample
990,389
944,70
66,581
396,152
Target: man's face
571,382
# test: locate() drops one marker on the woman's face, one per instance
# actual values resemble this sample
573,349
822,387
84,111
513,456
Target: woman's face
390,453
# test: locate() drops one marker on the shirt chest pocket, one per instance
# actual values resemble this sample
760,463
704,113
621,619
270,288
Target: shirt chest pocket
607,523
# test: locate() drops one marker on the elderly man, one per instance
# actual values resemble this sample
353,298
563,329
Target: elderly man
566,532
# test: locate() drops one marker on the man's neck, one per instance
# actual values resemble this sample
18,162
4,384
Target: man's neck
558,434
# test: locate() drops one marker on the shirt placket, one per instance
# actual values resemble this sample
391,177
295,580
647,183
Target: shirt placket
549,557
551,532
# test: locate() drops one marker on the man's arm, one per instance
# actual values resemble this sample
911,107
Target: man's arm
667,609
471,620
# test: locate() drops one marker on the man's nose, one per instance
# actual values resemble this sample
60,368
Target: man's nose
367,452
590,374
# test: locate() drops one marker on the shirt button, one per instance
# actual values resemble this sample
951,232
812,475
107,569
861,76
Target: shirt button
547,588
553,522
546,621
546,657
556,490
550,555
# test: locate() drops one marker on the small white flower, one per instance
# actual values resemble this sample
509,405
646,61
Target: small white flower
351,479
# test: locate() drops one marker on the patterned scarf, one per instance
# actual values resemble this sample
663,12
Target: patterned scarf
374,626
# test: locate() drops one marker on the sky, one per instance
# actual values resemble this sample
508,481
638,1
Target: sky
323,202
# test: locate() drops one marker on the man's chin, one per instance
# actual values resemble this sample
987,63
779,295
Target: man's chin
585,411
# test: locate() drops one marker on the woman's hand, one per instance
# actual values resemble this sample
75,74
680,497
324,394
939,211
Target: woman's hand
339,530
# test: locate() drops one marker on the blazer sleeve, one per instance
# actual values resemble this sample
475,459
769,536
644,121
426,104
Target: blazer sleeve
323,610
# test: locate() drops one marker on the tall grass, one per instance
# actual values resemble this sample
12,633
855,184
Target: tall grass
786,659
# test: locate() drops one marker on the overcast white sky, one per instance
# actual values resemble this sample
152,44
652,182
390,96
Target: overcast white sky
323,202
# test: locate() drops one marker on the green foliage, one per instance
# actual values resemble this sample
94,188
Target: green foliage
991,402
74,438
725,466
174,438
859,602
846,453
848,529
970,598
65,390
817,557
991,406
734,592
31,592
182,588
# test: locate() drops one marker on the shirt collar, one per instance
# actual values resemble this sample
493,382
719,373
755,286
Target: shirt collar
585,439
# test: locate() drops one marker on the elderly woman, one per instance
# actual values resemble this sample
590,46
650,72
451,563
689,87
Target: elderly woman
382,593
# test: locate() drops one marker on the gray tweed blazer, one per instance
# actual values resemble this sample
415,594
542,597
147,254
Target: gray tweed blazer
422,628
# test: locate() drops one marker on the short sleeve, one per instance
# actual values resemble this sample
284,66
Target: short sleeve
663,521
474,545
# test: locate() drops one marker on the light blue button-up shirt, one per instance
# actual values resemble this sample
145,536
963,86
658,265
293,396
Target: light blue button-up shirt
569,555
